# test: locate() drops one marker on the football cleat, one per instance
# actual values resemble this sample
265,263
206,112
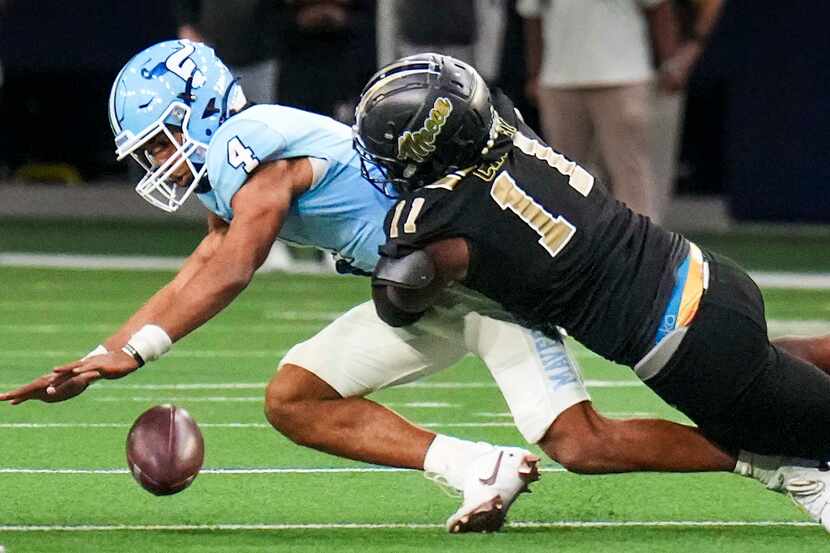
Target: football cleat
491,485
808,487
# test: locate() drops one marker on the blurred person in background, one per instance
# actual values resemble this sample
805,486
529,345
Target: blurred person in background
330,52
590,68
243,32
331,46
512,75
446,26
697,21
469,30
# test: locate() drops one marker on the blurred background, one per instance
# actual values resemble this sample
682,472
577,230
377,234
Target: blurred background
744,138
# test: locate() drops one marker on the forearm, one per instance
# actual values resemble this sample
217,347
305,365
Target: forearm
240,248
163,300
534,45
147,314
213,289
664,30
707,18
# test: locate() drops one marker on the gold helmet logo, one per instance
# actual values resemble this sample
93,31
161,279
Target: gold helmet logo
418,145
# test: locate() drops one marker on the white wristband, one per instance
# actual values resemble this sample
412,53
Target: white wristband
150,342
99,350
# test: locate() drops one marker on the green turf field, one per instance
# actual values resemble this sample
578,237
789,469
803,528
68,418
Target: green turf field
64,485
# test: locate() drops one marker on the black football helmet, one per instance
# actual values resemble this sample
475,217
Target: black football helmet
421,118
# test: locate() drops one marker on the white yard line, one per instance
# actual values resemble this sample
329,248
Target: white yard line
408,526
274,328
779,327
251,399
424,405
221,471
71,261
182,399
256,425
243,425
804,281
261,386
272,310
56,328
182,354
817,281
192,386
45,425
126,262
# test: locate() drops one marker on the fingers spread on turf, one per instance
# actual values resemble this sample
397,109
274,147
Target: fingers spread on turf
56,380
73,386
21,394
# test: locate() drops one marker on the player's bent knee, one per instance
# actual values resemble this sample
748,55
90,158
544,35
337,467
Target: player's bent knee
291,399
278,406
576,439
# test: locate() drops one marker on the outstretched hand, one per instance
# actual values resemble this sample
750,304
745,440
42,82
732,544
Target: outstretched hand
112,365
70,380
51,388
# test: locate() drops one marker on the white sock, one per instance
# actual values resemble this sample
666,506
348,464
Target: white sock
448,457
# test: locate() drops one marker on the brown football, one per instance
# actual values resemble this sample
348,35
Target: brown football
165,449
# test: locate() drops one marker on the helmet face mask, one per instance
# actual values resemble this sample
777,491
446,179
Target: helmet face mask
159,185
387,175
178,92
421,118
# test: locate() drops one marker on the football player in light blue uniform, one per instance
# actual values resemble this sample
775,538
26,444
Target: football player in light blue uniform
338,212
266,172
219,152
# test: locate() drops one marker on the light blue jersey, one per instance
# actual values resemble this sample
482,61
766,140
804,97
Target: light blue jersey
341,212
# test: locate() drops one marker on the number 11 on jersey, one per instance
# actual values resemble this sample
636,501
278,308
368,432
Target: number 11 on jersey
554,232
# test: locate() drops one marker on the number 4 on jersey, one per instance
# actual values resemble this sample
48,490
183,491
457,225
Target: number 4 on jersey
240,155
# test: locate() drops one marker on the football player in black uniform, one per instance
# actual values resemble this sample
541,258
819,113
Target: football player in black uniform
486,203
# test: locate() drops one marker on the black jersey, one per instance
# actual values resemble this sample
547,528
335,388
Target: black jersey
549,243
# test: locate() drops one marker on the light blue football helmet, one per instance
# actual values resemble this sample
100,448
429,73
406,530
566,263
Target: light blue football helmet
172,86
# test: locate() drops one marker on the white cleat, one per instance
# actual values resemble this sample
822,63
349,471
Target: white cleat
491,485
808,487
